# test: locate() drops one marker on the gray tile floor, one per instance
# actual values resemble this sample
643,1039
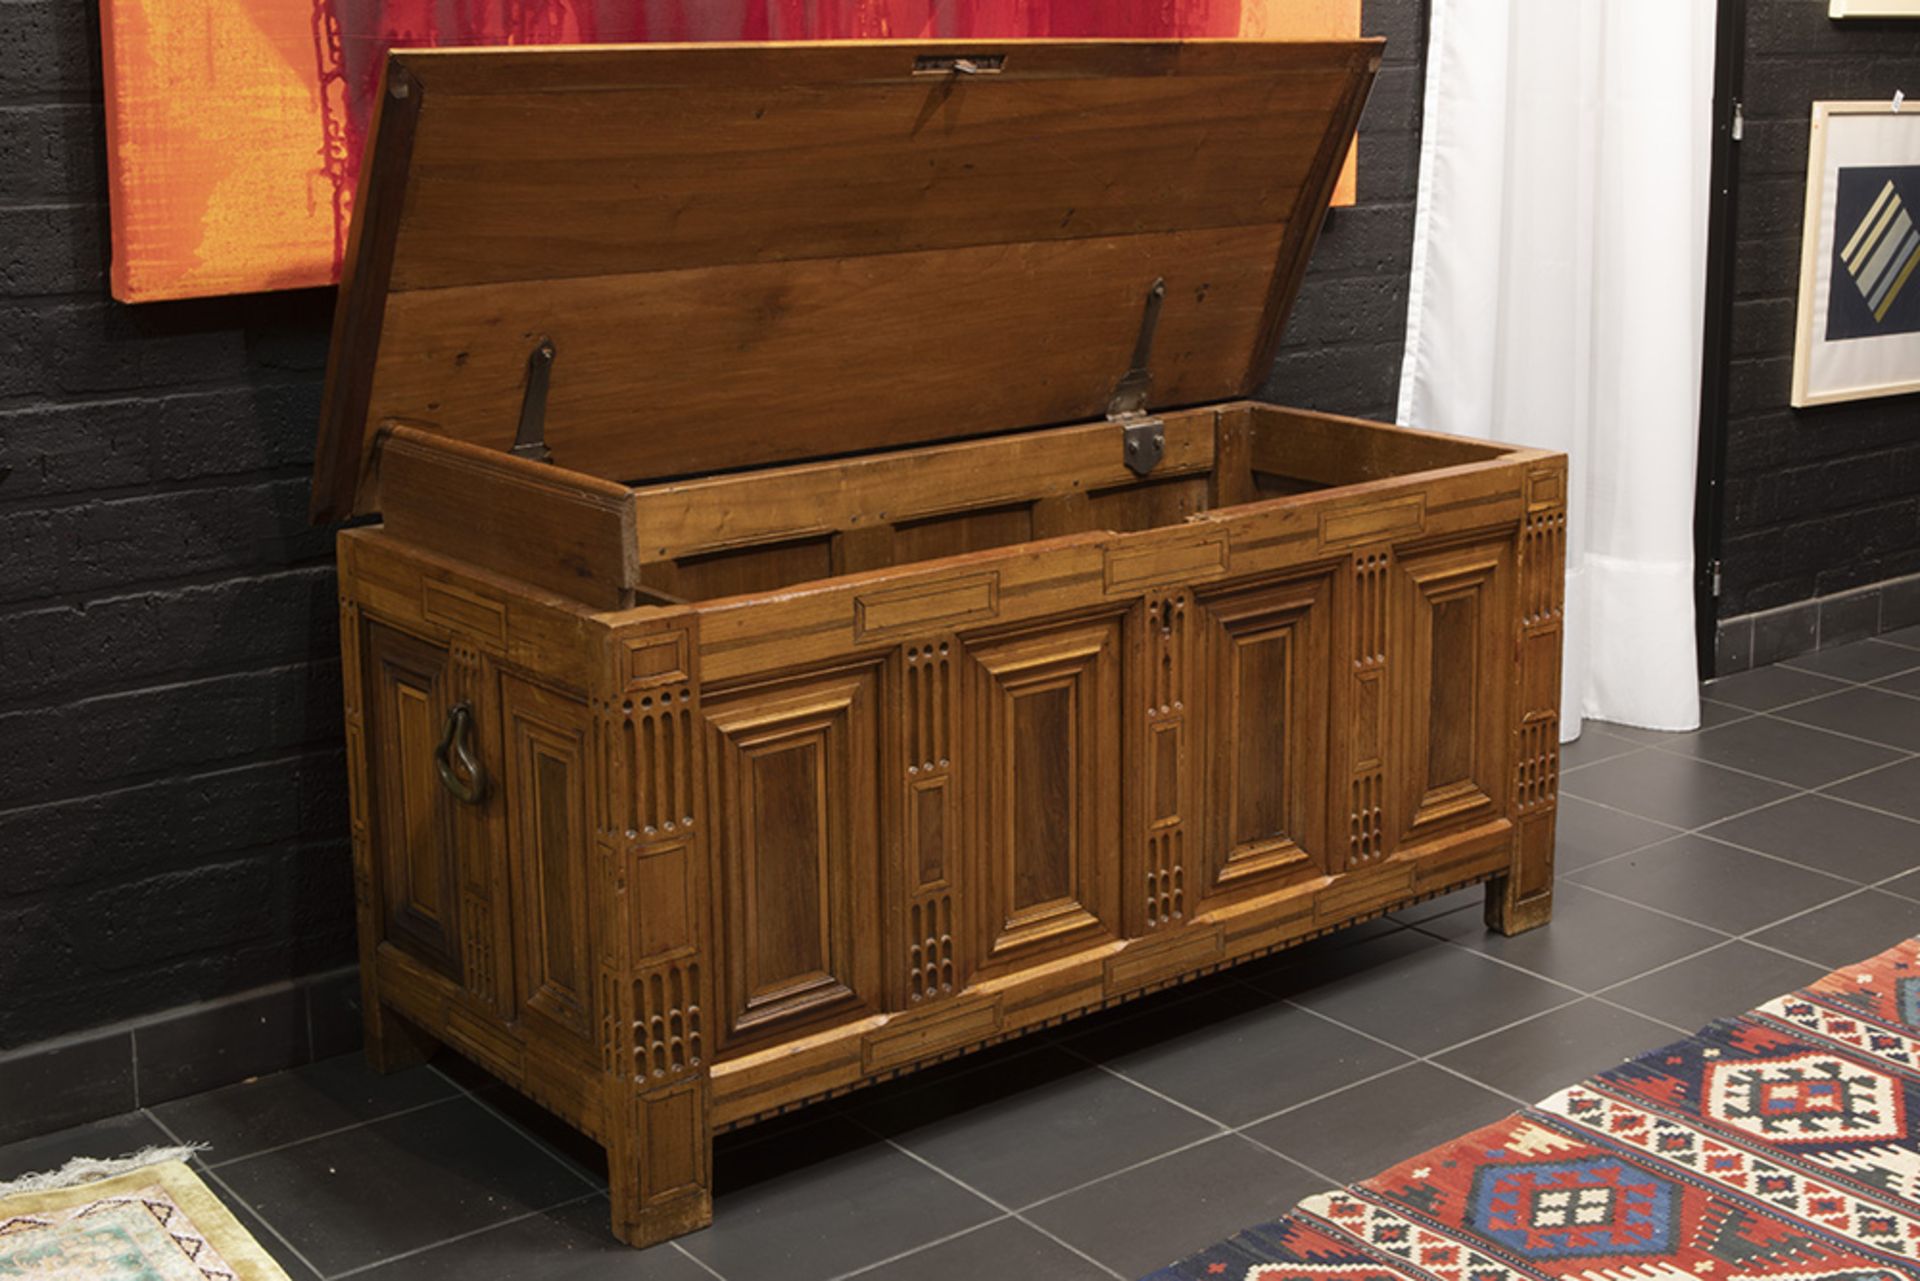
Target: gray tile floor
1700,873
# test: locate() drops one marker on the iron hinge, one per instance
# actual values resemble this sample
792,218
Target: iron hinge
1716,579
531,440
1739,129
1143,436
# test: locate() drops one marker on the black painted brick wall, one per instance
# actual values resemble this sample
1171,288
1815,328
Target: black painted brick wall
172,798
1824,499
172,795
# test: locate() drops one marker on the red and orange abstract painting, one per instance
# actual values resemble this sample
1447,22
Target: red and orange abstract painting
234,127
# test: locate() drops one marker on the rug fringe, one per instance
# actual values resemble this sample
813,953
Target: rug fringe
87,1169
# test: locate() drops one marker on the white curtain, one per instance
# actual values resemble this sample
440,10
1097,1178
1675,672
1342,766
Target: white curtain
1559,273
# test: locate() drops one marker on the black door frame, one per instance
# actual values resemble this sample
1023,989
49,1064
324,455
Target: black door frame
1716,348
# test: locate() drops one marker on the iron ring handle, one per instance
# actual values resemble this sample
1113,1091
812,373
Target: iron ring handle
458,738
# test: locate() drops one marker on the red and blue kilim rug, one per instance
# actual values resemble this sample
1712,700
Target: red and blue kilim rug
1783,1145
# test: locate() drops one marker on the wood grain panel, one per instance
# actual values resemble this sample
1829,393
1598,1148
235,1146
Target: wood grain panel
456,357
1268,652
742,572
549,842
414,823
1044,787
1452,679
941,602
566,532
978,481
1052,193
794,769
663,176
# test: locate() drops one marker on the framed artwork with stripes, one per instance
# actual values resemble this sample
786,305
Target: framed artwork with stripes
1859,323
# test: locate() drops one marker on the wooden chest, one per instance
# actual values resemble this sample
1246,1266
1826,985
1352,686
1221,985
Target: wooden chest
835,606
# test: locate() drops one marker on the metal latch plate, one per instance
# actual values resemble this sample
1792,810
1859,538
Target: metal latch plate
1145,441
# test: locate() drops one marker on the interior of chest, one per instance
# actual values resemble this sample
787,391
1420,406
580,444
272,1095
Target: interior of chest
761,531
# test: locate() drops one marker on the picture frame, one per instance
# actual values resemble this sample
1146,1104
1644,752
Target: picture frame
1857,334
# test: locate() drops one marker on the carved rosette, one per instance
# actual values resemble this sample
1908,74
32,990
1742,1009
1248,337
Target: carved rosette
931,817
1169,663
1366,825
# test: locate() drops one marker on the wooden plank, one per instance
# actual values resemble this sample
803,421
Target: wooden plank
710,369
559,530
1330,449
722,240
544,633
669,177
832,65
687,518
345,404
817,621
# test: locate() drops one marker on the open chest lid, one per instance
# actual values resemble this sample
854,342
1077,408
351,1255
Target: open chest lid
658,260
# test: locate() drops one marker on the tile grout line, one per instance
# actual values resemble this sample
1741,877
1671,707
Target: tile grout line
552,1154
1331,1182
1862,805
1679,830
212,1172
1725,937
226,1187
1871,887
959,1182
696,1260
1448,1049
1225,1132
922,1248
1222,1127
327,1134
1703,829
459,1236
1609,1002
1899,753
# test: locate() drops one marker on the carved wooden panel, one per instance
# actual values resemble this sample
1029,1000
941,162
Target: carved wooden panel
672,1035
486,941
1543,547
1165,776
414,825
1366,791
1042,784
655,989
1536,740
1451,677
794,767
928,936
550,838
1268,655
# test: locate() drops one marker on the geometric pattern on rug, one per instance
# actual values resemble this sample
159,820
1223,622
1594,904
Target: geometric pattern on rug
154,1224
1777,1146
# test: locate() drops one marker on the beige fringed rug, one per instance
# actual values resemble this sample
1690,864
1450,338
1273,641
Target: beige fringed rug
151,1222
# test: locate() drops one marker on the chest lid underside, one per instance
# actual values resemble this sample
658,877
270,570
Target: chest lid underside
746,254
